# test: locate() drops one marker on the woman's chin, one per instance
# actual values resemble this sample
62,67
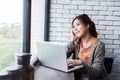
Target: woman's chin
78,36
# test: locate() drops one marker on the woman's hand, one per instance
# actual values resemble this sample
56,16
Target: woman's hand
73,37
73,62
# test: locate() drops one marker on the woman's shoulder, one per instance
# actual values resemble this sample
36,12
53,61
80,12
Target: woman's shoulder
100,46
100,43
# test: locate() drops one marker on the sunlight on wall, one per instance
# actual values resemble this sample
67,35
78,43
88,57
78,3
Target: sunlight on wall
37,24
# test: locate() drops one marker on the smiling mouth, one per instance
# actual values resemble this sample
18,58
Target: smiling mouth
77,31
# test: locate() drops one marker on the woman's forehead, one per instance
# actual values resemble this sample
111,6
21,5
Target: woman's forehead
77,21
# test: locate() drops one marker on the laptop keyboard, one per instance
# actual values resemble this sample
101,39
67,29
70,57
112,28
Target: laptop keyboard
69,67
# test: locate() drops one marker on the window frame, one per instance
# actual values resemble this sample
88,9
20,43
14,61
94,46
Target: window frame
47,19
26,26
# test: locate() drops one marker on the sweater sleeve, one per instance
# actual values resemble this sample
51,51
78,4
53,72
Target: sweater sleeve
96,69
70,48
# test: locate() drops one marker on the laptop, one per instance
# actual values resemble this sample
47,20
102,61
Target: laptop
53,55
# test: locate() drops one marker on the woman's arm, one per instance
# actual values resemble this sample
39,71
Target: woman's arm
70,48
96,69
71,44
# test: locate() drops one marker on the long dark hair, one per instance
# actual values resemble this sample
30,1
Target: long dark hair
87,21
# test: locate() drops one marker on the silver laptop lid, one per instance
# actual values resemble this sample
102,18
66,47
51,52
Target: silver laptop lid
52,55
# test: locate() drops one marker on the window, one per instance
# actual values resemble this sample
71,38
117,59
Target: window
11,17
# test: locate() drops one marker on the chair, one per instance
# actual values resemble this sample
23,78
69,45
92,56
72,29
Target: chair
108,64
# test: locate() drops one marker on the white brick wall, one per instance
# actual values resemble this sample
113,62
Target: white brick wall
105,14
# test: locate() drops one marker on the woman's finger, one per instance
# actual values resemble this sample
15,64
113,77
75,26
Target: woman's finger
70,64
73,35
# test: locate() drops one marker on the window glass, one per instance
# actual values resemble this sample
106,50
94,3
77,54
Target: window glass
11,28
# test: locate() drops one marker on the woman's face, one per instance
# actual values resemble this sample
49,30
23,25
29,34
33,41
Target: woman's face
79,29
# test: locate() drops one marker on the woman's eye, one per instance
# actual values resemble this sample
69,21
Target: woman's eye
73,26
77,24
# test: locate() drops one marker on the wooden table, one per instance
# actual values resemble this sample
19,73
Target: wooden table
45,73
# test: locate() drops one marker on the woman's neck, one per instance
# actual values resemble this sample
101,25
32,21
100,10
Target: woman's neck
86,38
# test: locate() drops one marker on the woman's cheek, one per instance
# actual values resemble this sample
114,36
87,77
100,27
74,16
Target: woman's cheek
84,31
81,33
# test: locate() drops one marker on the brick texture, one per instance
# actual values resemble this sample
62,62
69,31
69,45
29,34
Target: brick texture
105,14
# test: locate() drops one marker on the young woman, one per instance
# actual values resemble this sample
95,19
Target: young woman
87,50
